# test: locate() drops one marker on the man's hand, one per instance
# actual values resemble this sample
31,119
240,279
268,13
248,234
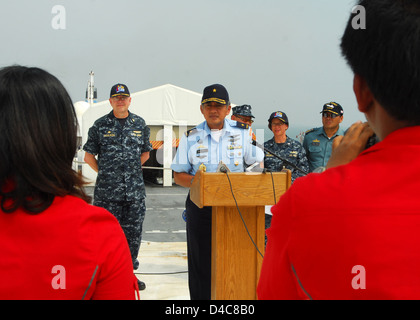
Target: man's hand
347,148
183,179
91,161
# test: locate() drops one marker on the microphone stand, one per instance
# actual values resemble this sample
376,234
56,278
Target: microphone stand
255,143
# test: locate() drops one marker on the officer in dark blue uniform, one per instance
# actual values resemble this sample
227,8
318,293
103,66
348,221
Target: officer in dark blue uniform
202,148
120,140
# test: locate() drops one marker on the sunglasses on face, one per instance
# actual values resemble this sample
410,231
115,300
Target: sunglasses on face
329,115
244,119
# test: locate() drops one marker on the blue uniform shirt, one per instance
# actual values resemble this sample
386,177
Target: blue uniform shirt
318,147
234,148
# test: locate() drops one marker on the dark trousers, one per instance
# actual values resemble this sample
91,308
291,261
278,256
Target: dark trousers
130,215
268,218
199,250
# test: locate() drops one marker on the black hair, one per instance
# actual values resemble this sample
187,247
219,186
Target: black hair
386,54
38,140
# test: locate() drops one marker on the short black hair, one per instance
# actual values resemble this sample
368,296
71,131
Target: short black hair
38,140
386,54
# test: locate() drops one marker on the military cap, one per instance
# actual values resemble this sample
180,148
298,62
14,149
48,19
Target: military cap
216,93
244,110
119,90
279,115
333,107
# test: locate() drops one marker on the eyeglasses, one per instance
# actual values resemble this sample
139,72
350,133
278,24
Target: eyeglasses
329,115
278,124
244,119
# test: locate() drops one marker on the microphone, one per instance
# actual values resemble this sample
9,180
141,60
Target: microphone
287,162
222,168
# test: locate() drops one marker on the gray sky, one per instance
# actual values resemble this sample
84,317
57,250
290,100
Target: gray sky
272,54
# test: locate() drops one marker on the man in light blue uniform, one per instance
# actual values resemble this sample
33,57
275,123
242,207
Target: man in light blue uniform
318,141
203,147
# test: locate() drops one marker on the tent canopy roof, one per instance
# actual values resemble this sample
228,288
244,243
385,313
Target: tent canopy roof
163,105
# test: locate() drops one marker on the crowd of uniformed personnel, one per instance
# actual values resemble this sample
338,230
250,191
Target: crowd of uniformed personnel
310,156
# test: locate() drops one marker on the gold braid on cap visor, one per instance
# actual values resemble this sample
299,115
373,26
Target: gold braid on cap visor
215,100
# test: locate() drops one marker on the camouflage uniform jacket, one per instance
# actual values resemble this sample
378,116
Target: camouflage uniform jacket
292,151
120,176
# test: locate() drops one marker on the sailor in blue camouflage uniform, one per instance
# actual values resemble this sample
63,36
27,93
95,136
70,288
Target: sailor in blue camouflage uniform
285,147
202,148
318,141
120,140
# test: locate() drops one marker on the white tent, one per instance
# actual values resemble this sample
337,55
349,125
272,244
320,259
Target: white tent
166,106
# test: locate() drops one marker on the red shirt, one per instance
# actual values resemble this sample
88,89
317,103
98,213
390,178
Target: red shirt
72,250
352,232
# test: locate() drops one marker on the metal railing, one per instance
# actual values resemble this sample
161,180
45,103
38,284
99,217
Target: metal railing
77,162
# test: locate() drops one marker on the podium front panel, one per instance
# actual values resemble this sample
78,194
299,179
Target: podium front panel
236,262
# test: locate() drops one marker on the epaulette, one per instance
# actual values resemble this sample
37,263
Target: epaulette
193,130
242,125
310,130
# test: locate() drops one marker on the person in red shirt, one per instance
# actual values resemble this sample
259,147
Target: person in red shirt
54,244
352,232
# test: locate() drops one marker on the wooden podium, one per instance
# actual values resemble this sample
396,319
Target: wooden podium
236,263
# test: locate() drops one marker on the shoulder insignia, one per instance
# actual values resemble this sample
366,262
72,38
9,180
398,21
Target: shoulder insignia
310,130
193,130
241,125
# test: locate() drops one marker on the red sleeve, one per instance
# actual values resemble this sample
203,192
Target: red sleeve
277,281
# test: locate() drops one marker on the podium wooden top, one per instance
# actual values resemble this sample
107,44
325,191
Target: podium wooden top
249,188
